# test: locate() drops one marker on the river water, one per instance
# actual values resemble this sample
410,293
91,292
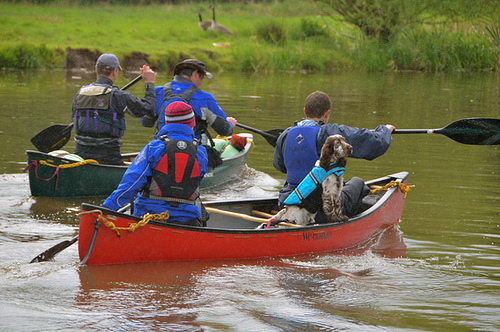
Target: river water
438,271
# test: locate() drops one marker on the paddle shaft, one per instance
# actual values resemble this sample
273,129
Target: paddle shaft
246,216
263,133
129,84
416,131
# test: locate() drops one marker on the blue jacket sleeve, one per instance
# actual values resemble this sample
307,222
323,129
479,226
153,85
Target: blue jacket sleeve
202,156
135,177
206,107
159,98
366,144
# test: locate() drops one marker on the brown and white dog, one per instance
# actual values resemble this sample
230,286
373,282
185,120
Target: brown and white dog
334,151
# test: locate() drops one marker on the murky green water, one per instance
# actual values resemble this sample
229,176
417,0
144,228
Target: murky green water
447,279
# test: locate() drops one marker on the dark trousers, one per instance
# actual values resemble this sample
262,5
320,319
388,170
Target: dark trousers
107,156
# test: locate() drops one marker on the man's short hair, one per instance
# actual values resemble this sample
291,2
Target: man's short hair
317,103
186,71
104,71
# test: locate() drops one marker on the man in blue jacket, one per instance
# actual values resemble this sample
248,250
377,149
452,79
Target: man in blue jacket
188,77
298,148
166,174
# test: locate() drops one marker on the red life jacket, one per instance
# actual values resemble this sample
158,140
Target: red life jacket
176,178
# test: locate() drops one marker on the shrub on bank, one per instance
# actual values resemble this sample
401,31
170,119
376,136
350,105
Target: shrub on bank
27,55
430,51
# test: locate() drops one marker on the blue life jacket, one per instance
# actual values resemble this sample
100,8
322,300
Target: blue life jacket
169,97
94,114
312,182
300,153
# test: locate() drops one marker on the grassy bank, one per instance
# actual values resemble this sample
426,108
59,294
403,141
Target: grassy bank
272,36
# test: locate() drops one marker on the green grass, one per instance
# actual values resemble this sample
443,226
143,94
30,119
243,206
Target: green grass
268,36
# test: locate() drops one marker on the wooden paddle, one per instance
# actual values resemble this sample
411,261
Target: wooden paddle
476,131
246,216
52,251
56,136
271,136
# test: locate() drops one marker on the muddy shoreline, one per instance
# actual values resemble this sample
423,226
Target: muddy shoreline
84,58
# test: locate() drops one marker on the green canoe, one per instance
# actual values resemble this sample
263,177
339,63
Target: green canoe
59,175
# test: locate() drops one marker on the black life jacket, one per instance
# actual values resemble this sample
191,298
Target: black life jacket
169,97
94,114
176,178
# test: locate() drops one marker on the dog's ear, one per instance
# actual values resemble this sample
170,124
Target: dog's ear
327,152
345,150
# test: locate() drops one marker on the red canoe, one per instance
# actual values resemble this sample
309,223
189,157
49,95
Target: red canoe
231,231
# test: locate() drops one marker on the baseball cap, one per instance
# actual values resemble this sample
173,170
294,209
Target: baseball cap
108,61
180,112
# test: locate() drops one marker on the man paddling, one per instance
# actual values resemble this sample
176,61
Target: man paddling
99,109
298,148
185,86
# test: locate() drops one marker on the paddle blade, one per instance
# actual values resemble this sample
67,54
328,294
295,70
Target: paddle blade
51,252
52,138
273,138
476,131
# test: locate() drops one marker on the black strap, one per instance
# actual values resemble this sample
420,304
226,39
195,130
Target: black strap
92,241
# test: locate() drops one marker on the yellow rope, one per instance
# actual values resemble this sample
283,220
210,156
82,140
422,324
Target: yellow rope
222,137
79,163
163,217
251,147
403,187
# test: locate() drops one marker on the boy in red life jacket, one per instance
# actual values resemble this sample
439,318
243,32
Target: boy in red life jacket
166,174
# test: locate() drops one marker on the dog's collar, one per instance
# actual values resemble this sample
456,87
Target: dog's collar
335,168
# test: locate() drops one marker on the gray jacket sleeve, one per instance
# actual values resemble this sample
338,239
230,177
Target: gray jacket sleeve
137,107
366,144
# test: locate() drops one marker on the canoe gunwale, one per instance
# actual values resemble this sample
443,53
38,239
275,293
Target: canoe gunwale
63,161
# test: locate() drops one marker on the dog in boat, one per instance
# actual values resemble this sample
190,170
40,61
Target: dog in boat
321,188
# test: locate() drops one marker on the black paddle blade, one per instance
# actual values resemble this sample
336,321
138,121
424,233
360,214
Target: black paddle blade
476,131
273,137
51,252
52,138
